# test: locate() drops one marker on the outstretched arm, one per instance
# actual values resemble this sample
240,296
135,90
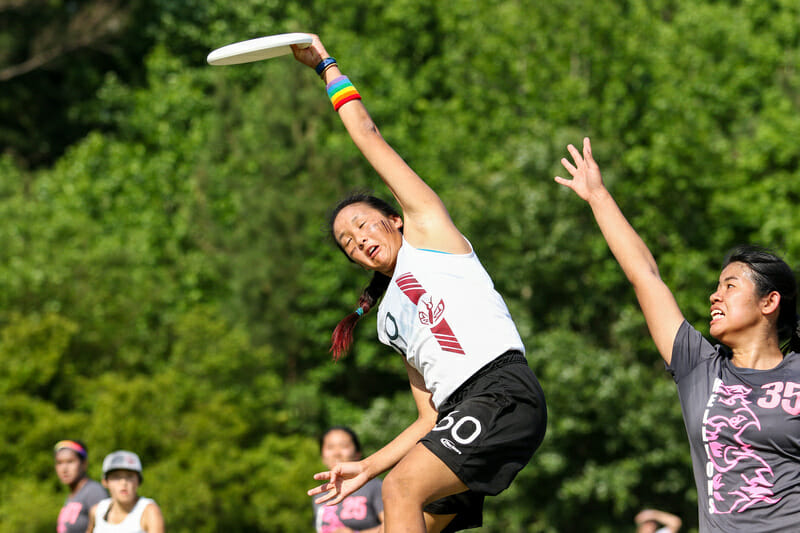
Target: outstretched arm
426,220
346,478
657,302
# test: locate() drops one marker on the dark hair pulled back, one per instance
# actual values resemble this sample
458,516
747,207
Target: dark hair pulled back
346,429
771,273
342,337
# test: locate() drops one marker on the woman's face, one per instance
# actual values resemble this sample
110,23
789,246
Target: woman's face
369,237
735,306
70,468
122,485
338,447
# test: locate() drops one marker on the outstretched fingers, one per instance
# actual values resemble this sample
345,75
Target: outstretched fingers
583,169
332,490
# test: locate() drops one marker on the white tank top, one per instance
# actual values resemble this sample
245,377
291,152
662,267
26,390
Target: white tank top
131,524
442,312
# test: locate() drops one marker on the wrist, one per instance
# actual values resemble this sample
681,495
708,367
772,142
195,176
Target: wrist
340,89
331,74
323,65
600,195
368,468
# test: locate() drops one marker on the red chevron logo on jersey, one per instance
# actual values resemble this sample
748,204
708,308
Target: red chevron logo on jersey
442,332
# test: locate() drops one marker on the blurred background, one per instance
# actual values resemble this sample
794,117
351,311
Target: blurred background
167,284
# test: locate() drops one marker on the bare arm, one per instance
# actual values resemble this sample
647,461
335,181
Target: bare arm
152,519
346,478
657,302
427,222
90,526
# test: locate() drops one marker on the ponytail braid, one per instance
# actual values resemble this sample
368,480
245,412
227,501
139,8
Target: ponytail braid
342,337
793,344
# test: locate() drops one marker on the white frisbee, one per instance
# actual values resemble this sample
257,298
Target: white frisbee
258,49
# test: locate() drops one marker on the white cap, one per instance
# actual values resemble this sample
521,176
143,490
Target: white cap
122,460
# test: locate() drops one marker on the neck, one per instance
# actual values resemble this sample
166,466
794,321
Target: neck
761,354
127,507
76,486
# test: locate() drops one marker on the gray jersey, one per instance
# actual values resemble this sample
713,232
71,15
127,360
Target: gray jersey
74,516
358,511
744,435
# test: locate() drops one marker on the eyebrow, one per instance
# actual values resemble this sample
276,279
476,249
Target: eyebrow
352,221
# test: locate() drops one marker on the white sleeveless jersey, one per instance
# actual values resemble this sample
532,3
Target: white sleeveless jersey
131,524
442,312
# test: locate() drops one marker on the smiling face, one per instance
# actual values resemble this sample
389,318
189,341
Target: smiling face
369,237
70,467
736,308
122,485
338,447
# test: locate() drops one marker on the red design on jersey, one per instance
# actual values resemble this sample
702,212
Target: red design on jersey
442,332
446,337
410,287
431,316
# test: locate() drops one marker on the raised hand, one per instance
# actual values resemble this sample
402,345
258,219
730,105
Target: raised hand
586,178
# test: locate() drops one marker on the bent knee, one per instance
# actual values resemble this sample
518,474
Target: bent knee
400,486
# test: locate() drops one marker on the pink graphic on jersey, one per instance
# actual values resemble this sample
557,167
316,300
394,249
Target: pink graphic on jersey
354,508
432,313
741,477
330,521
69,515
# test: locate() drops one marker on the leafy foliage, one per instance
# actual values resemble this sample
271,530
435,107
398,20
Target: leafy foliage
167,283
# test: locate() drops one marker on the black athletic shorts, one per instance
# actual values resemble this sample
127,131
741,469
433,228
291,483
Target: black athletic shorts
486,432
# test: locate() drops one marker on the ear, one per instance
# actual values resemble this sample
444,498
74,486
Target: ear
771,303
397,221
104,481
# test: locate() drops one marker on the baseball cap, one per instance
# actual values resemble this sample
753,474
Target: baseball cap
122,460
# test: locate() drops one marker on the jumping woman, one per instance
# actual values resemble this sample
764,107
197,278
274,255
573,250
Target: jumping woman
481,411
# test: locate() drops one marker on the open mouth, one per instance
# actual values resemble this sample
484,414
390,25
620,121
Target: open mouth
716,314
372,251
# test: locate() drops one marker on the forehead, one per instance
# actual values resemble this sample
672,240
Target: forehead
736,270
65,454
338,437
352,211
350,216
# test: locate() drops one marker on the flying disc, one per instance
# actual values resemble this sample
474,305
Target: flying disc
258,49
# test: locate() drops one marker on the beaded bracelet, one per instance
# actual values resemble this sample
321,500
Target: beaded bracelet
341,91
324,65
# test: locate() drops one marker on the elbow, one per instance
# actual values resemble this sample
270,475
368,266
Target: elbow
427,420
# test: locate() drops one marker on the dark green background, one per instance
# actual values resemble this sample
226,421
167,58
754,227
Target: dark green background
167,285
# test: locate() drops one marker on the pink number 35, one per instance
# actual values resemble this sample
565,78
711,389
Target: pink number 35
775,394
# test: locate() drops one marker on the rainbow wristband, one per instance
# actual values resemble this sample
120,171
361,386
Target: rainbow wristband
341,91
